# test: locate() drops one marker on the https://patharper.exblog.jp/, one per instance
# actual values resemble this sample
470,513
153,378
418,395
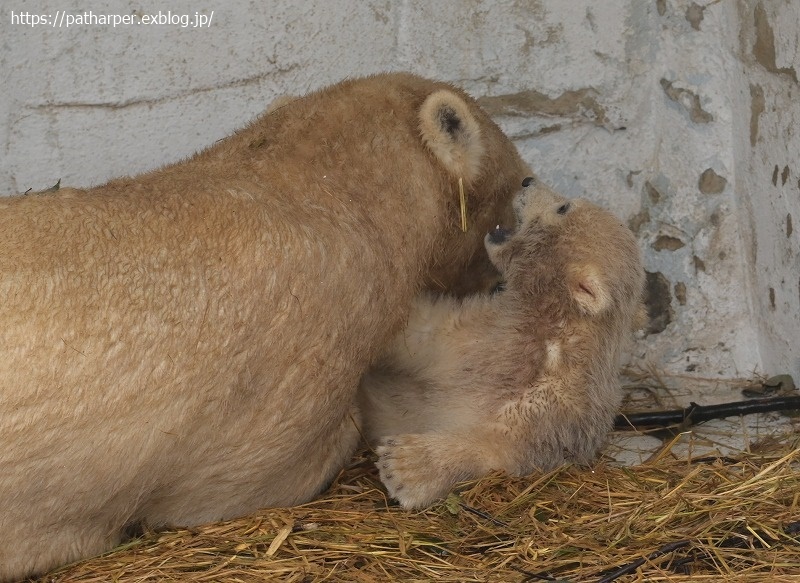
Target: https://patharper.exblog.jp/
67,19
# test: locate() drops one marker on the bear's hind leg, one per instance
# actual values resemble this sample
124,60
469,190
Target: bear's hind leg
51,547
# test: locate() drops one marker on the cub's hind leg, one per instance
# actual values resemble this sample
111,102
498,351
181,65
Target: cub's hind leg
418,469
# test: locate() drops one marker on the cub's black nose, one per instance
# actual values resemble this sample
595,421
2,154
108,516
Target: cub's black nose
498,235
526,182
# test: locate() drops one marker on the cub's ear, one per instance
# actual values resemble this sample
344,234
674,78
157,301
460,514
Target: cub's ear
452,133
589,290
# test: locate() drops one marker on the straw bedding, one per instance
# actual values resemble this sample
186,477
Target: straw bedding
711,519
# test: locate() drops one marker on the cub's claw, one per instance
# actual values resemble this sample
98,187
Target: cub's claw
408,469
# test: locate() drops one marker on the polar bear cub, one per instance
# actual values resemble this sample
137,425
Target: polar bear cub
521,380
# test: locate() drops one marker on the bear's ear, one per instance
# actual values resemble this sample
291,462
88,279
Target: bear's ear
452,133
589,290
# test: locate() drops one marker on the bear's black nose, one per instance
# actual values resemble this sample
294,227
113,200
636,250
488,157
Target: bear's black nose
526,182
498,235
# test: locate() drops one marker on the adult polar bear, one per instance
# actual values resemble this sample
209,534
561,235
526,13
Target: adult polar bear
185,346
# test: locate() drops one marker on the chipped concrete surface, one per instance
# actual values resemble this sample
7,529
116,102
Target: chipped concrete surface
757,104
680,115
766,176
689,100
658,302
711,183
581,103
667,243
764,49
695,14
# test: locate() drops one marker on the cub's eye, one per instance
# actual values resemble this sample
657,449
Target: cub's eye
562,210
528,181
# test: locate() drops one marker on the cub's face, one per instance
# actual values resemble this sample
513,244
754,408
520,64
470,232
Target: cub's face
538,213
580,249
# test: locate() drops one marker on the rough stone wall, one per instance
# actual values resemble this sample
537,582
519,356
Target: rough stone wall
681,116
767,152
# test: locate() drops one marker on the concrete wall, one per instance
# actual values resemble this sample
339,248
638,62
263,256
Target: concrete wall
681,116
766,123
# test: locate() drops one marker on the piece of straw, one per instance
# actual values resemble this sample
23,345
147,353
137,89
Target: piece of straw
463,197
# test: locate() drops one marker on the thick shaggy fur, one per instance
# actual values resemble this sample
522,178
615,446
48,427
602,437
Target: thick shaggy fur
520,380
186,345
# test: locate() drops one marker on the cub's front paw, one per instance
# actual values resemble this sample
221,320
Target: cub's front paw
410,471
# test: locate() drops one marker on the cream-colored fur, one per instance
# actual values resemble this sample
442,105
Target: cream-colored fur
186,345
520,380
